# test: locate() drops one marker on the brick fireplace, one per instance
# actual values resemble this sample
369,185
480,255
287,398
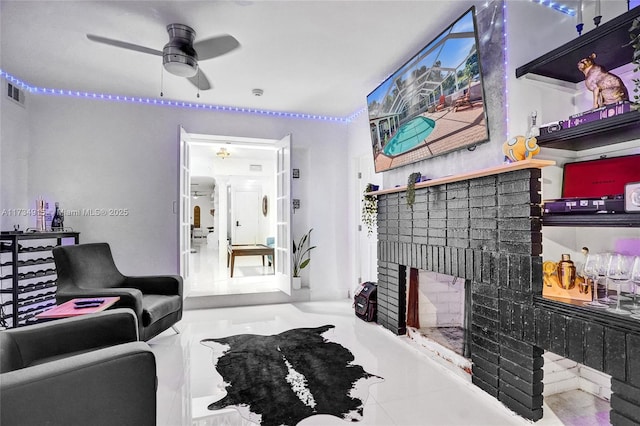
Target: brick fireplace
485,228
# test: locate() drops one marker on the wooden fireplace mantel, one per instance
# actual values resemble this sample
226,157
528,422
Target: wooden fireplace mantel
502,168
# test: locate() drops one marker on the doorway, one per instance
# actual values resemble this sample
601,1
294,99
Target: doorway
244,176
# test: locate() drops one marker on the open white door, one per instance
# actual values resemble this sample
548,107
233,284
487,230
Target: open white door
184,207
283,215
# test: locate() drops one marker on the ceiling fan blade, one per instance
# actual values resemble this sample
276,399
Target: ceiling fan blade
215,46
200,81
124,45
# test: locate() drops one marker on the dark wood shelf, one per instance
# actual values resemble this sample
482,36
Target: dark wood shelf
612,220
27,297
610,42
608,131
577,309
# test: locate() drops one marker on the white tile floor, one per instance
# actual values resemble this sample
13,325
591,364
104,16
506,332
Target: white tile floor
417,389
210,274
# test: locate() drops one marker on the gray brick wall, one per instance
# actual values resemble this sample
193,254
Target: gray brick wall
488,232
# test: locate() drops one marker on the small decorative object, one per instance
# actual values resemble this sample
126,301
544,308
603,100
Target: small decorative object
566,272
265,206
550,274
634,33
301,254
534,130
580,23
57,224
411,188
561,280
520,148
598,18
40,212
370,207
607,88
632,197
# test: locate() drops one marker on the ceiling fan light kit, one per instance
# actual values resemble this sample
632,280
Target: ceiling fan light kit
178,56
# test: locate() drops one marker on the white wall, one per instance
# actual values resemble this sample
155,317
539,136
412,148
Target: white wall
93,154
14,165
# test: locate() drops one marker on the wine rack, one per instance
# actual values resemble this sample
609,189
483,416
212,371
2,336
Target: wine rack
28,274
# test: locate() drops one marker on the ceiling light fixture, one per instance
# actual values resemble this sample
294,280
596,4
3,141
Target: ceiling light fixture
223,153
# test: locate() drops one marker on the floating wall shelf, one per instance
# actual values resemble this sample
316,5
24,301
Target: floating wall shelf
610,42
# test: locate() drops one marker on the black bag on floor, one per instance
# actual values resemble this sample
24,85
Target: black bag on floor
364,301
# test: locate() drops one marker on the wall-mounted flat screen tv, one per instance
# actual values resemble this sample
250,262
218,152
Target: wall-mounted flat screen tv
434,103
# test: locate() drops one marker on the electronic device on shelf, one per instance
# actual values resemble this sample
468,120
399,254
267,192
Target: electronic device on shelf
610,204
595,186
553,127
632,197
596,114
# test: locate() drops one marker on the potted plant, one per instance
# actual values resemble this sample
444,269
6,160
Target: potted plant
370,207
411,188
301,258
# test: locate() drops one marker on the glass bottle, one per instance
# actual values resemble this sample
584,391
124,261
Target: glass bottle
566,272
40,215
57,221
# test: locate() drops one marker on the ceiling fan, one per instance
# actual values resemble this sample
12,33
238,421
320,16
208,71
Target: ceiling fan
180,55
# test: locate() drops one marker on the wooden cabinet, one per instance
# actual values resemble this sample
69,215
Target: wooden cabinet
610,41
28,274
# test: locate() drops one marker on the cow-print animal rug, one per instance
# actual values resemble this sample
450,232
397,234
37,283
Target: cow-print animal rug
285,378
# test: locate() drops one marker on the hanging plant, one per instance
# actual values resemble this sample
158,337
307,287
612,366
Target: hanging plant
411,188
370,208
635,43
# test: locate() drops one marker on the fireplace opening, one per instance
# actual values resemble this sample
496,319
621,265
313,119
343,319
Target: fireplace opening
443,309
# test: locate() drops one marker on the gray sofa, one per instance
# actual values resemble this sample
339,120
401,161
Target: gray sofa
87,370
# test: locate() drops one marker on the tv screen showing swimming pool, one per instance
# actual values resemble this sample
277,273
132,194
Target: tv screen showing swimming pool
433,104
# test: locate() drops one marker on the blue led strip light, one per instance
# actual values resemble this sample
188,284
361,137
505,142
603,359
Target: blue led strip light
505,36
356,114
556,6
162,102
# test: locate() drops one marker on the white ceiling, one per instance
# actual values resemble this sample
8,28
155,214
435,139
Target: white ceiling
315,57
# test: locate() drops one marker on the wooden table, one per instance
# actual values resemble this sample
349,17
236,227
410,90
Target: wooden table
68,309
248,250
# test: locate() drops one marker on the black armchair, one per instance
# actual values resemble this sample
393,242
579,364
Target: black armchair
88,270
87,370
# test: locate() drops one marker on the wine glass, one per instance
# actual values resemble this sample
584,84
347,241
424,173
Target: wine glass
589,272
635,279
619,271
602,266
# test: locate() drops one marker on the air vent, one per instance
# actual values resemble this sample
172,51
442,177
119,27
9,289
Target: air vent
255,167
15,94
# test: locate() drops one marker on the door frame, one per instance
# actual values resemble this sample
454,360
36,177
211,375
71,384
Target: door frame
205,139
